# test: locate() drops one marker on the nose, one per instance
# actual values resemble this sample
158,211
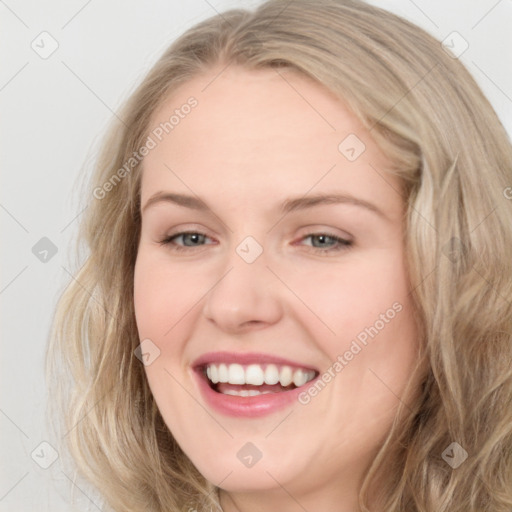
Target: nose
247,297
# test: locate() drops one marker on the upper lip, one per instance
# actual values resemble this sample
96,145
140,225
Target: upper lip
246,358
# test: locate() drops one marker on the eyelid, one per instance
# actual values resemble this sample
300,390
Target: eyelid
320,229
341,244
188,228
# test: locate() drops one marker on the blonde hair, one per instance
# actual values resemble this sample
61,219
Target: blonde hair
428,115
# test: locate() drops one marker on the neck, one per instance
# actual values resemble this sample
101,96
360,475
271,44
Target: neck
340,498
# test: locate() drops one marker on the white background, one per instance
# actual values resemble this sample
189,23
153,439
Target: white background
54,113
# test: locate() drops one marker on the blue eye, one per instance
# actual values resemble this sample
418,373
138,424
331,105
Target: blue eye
323,242
189,239
320,242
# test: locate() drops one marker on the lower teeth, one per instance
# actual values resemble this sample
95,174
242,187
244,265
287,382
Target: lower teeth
244,392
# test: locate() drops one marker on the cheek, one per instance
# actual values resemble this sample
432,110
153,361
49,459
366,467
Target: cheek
363,315
342,300
163,294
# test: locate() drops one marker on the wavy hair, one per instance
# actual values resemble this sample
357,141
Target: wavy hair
453,155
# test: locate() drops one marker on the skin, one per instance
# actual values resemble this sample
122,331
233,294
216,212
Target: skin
252,142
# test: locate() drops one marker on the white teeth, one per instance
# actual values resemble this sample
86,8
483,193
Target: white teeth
271,374
245,392
299,378
223,373
236,374
214,374
257,375
286,376
254,375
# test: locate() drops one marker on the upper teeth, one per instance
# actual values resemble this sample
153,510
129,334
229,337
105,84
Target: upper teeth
257,375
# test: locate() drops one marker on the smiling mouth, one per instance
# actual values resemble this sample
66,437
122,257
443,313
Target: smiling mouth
255,379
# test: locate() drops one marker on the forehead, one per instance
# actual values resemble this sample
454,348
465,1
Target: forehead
256,130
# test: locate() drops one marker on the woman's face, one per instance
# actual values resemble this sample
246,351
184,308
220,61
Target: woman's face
292,268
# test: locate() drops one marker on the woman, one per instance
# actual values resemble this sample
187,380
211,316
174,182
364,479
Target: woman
297,295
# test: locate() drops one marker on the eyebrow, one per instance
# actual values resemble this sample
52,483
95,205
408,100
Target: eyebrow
288,206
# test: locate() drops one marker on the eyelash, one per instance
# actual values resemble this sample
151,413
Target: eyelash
343,244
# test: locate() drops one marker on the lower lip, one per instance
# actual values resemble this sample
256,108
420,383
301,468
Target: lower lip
247,406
